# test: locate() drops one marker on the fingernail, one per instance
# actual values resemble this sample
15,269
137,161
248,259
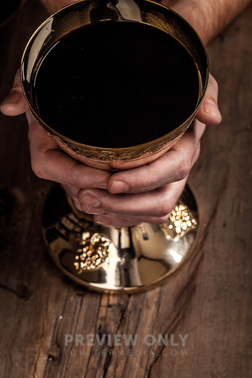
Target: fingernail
90,200
99,220
102,220
90,210
210,107
93,210
119,187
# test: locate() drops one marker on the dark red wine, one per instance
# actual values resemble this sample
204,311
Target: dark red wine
116,84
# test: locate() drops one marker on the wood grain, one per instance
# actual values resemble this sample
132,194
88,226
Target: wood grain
209,299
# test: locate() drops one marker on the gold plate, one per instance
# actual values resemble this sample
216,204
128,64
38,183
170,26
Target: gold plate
126,260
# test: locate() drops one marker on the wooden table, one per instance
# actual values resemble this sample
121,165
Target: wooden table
207,304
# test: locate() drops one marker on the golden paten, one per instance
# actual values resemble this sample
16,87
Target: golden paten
126,260
104,258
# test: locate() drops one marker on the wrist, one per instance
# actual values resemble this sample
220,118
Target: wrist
207,17
194,14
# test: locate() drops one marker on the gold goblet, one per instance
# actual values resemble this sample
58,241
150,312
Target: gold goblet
115,102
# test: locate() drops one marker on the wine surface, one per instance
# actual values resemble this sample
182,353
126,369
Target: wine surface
115,84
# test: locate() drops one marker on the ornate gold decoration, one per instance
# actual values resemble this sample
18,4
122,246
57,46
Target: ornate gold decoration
180,221
91,248
93,251
130,260
122,154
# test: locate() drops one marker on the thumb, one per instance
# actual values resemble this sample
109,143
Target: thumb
14,104
209,112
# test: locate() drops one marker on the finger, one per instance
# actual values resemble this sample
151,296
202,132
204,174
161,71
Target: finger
110,220
121,220
118,220
51,163
174,165
196,130
92,212
209,112
72,191
196,155
14,104
157,203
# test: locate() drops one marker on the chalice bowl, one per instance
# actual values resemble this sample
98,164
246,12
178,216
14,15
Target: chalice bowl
115,84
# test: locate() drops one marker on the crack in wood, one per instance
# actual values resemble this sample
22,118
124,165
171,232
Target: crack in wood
92,347
109,356
76,325
55,350
41,339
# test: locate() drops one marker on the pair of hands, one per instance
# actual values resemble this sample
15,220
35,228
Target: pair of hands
125,198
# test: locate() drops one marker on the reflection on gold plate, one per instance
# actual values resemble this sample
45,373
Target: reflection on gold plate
125,260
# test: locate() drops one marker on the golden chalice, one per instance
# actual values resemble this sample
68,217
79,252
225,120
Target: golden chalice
115,84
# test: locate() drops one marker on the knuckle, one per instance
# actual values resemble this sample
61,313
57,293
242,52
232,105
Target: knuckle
197,154
161,220
150,178
37,169
74,180
214,84
183,169
80,194
152,174
164,209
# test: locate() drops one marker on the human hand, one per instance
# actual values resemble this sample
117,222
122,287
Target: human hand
125,198
48,161
149,193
